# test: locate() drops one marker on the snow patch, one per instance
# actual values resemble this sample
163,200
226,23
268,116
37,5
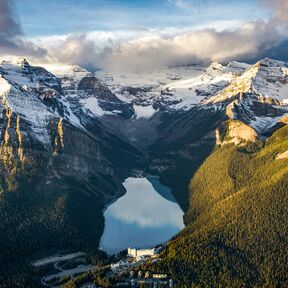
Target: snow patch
92,105
261,124
144,111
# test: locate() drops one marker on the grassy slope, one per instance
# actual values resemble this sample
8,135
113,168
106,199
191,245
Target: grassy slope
238,231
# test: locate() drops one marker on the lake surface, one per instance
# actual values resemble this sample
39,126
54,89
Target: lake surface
145,216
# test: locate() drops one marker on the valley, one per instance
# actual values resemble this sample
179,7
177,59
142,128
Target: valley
78,150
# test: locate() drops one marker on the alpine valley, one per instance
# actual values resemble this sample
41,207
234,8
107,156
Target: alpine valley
217,136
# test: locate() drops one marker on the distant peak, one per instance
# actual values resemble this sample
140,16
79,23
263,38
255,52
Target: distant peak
238,65
15,61
22,62
66,69
268,62
216,66
77,68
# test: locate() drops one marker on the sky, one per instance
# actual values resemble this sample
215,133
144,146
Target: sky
70,16
117,34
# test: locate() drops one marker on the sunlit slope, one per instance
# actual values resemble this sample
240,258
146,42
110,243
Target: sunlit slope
238,231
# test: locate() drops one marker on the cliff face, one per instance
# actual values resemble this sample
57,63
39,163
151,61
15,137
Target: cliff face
235,132
59,169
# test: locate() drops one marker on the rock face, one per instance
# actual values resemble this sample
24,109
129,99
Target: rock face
59,164
83,90
235,132
283,155
257,97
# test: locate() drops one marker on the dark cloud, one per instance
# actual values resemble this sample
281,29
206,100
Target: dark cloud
9,25
11,41
277,52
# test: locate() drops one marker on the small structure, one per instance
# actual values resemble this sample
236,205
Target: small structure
148,274
133,283
160,276
120,265
122,284
141,252
89,285
140,274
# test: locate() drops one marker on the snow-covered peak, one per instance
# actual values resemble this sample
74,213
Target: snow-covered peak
69,71
240,66
216,66
31,93
238,85
268,62
15,64
22,62
258,97
87,93
271,80
19,72
266,79
215,78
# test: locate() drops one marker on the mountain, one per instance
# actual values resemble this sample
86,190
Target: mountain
257,97
59,165
236,230
237,214
68,139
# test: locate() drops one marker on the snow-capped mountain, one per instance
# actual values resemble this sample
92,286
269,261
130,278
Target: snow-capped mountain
83,90
172,88
40,117
68,137
258,96
215,78
255,94
146,88
32,93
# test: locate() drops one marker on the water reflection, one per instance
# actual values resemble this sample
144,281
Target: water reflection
145,216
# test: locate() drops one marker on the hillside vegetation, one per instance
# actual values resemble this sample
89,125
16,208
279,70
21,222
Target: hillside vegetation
238,220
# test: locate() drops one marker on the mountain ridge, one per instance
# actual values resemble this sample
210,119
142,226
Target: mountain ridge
73,137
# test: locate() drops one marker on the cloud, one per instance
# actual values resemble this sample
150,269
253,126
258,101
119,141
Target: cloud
152,48
204,45
9,26
11,41
279,9
130,49
75,49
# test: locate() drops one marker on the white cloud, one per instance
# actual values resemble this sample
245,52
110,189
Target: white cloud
279,9
129,49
